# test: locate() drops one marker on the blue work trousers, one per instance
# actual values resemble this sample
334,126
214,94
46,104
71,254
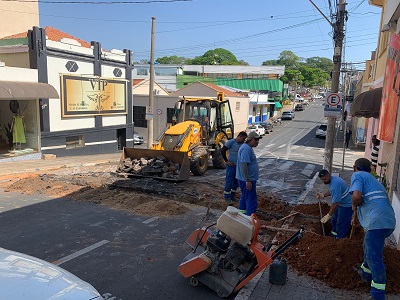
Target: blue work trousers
231,183
373,268
341,221
248,198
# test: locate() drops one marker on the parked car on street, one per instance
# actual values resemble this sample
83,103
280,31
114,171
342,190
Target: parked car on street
321,131
299,107
316,97
287,115
24,277
256,128
299,98
267,125
137,138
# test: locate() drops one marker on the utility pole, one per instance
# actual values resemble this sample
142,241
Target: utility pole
151,87
338,35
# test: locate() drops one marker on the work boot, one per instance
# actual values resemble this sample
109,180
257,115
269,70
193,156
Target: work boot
361,273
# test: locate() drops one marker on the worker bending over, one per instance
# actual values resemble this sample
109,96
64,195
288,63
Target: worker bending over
341,210
376,216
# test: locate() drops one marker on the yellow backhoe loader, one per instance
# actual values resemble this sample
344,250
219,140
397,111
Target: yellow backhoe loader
199,129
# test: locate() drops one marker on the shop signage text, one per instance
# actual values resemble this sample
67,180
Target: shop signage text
88,96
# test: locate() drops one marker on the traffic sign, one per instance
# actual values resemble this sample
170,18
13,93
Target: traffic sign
333,105
149,110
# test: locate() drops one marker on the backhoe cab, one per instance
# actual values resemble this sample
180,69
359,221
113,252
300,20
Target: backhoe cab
200,127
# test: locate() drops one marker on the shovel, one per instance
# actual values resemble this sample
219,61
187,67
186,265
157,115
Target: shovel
320,213
353,225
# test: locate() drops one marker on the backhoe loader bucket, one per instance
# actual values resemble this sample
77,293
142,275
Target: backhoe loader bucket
159,170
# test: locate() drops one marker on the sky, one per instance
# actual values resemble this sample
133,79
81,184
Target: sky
253,30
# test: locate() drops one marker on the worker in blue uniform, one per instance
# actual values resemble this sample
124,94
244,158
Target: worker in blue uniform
341,208
247,174
231,184
376,216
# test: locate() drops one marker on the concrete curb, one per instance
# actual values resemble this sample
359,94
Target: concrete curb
248,289
309,186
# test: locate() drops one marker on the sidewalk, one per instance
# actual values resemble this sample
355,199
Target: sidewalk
23,168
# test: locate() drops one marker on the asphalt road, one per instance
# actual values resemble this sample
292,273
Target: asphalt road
123,256
289,156
128,256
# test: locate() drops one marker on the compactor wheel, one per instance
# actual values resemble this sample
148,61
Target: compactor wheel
194,281
199,161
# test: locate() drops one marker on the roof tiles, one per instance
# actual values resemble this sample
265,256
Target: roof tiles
52,34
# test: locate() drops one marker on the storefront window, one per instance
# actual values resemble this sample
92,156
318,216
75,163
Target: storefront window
19,133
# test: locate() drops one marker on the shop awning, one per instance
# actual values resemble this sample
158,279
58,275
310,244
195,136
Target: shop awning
278,105
367,104
21,90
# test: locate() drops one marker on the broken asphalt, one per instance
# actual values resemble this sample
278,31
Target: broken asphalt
296,288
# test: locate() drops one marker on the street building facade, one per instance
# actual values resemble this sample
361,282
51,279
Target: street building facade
380,104
92,111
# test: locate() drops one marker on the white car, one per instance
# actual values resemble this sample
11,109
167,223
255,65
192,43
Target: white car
137,138
24,277
287,115
316,97
260,130
321,131
299,98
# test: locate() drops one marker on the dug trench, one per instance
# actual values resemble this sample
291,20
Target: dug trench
329,260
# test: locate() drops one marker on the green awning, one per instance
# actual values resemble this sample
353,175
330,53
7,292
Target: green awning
278,105
273,85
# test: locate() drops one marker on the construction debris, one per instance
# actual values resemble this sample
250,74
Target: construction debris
154,167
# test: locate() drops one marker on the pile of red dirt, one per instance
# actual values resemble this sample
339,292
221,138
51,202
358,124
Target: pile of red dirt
333,261
313,209
271,203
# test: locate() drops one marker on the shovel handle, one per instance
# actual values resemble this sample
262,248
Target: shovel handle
353,229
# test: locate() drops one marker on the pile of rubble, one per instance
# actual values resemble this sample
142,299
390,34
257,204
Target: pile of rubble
154,167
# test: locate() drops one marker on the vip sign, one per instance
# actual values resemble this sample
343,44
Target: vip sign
333,105
88,96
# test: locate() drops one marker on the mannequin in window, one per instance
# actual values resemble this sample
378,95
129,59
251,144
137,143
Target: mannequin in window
17,125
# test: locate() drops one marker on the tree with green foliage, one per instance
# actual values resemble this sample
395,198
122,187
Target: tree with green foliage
272,62
173,60
292,77
218,56
289,59
309,75
322,63
243,63
314,71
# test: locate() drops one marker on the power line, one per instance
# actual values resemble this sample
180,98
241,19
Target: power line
238,39
238,52
357,6
96,2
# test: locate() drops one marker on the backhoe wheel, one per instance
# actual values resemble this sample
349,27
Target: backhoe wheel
194,281
198,161
218,161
